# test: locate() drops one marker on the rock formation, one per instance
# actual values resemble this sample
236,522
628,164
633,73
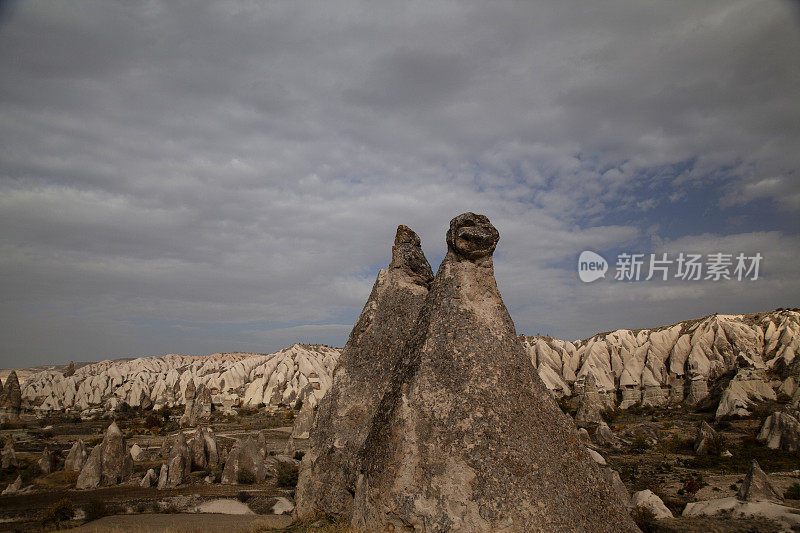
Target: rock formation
109,463
589,414
13,488
76,457
189,416
149,479
137,453
179,462
303,422
10,399
676,363
705,439
8,456
781,431
203,446
47,462
648,500
757,486
603,436
244,456
468,438
70,371
299,372
329,471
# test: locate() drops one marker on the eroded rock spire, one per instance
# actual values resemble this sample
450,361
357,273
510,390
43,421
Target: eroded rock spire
467,438
371,356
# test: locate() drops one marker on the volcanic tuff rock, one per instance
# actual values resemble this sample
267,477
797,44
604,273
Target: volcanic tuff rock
8,457
781,431
704,438
179,462
245,455
76,457
468,438
679,360
204,449
375,348
757,486
109,463
10,399
648,500
47,462
300,372
303,422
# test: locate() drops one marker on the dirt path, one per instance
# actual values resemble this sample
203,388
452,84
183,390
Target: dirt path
182,523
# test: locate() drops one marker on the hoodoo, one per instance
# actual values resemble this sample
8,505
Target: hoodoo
468,438
329,471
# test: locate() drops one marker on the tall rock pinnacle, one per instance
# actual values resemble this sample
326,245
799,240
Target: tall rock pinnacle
371,356
467,437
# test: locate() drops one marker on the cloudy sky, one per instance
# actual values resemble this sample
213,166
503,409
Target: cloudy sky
185,177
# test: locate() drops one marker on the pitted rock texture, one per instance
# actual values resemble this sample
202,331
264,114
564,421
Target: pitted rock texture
468,438
374,350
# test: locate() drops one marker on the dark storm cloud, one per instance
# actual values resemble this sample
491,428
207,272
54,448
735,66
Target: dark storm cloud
192,177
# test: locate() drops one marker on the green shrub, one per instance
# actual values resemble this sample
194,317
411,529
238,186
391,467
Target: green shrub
153,421
716,445
95,509
31,472
640,444
246,477
693,483
298,456
59,512
610,414
243,496
793,492
678,445
287,475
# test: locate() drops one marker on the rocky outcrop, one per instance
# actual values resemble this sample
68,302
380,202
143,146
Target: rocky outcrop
8,456
47,461
10,399
203,446
468,438
757,486
179,462
299,372
13,488
137,453
303,422
747,388
149,479
76,457
648,500
330,469
706,440
109,463
603,436
70,371
245,456
589,414
781,431
189,416
676,363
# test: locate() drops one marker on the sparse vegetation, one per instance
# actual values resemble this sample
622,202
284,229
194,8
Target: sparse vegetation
645,519
61,511
287,475
640,444
246,477
793,492
95,509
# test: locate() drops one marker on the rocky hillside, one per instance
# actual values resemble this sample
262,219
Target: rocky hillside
299,372
749,358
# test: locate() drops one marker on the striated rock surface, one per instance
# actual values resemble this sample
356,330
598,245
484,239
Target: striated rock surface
149,479
109,463
676,363
468,438
179,462
757,486
781,431
300,372
329,471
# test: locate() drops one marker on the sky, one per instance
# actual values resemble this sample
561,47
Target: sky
200,177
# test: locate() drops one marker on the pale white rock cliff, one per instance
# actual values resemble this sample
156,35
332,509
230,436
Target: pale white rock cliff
299,372
676,363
